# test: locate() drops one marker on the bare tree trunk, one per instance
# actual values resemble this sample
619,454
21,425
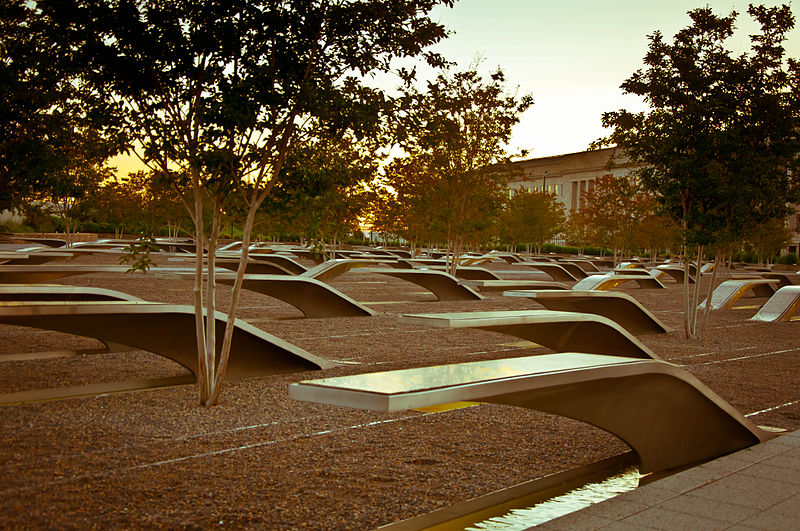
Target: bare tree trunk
696,295
211,302
203,375
686,271
709,292
237,286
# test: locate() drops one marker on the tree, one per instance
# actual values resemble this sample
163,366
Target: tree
722,133
454,173
577,231
55,131
532,217
769,238
612,210
220,93
325,187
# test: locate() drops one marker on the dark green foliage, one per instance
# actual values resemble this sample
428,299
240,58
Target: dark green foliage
137,254
55,131
723,129
452,182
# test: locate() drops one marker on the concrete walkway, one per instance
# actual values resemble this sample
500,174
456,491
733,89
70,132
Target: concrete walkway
756,488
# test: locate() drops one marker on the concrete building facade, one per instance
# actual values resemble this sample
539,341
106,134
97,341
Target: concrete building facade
568,176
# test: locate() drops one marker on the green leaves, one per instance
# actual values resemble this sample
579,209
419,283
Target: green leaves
723,129
137,254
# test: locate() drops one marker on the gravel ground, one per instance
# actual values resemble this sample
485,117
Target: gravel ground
261,460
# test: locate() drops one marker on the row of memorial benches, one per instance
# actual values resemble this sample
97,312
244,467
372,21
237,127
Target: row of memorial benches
600,372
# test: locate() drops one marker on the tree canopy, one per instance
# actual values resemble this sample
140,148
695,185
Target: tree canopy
219,93
452,180
719,146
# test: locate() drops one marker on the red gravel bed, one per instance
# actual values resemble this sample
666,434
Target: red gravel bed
261,460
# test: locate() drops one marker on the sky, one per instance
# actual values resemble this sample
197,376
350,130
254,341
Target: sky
570,55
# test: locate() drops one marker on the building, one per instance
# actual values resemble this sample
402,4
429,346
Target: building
567,176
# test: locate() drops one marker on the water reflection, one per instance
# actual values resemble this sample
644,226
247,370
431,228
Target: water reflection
591,493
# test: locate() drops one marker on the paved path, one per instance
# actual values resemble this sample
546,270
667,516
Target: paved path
756,488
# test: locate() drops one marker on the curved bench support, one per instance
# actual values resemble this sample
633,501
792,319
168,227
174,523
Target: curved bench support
329,270
615,305
559,331
60,292
665,414
556,271
167,330
781,306
444,286
312,297
726,294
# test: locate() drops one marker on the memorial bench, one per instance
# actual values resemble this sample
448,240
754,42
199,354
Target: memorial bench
558,331
615,305
167,330
607,282
59,292
499,285
781,306
331,269
445,287
469,273
666,415
730,291
676,271
784,279
314,298
584,264
309,295
556,271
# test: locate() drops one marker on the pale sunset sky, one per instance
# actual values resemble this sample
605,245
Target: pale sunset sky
571,55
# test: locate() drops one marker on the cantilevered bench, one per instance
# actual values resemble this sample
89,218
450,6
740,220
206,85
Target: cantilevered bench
314,298
559,331
498,285
28,274
556,271
586,265
469,273
511,258
284,262
730,291
329,270
615,305
59,292
22,274
639,271
781,306
164,329
676,271
310,296
666,415
784,279
607,282
32,256
445,287
254,267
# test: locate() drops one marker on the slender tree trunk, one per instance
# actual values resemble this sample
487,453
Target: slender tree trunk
211,302
709,292
686,271
696,295
237,286
203,375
